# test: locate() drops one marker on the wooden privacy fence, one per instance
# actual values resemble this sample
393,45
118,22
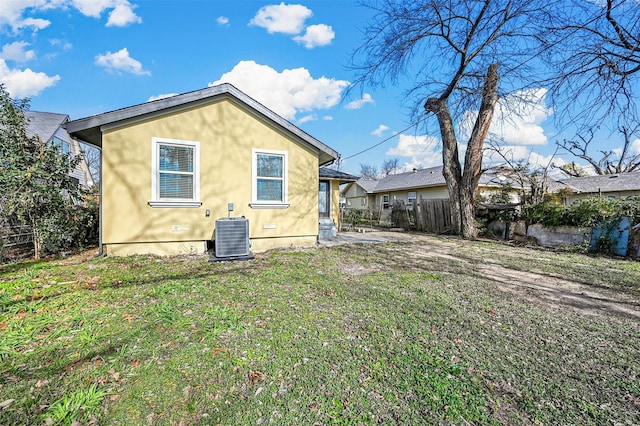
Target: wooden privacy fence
16,235
430,215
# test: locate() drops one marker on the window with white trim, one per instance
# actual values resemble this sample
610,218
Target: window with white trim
175,179
269,179
411,197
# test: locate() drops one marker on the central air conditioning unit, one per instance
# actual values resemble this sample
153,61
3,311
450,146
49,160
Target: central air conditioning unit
232,237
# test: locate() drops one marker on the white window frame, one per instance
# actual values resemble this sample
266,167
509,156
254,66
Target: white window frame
261,204
411,199
156,201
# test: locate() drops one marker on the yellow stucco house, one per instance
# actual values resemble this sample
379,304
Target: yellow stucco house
174,169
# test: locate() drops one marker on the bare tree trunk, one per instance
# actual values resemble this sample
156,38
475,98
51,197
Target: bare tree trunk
461,186
450,158
473,157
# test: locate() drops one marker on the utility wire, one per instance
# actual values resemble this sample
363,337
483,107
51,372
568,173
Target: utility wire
385,140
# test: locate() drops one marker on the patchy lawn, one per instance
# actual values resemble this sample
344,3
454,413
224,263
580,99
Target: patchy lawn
433,331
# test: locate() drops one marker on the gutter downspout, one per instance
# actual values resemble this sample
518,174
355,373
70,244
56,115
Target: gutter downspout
100,246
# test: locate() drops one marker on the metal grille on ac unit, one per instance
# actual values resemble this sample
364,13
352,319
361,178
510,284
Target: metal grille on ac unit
232,237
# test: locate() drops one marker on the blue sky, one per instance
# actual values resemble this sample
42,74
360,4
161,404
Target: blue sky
85,57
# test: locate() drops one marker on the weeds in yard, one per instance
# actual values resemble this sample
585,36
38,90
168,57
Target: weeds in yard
78,407
362,334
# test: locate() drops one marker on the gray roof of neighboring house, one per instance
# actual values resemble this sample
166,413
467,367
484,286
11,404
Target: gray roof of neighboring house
44,124
326,172
603,183
414,179
89,129
422,178
367,184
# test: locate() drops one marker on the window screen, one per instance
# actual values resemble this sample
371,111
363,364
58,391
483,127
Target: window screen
270,177
175,171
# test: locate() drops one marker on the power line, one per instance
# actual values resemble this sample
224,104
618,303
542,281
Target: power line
385,140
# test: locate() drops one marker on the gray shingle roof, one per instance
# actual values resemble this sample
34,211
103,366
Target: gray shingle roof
44,124
326,172
88,129
414,179
422,178
368,185
603,183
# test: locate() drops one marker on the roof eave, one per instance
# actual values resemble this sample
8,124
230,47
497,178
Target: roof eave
89,129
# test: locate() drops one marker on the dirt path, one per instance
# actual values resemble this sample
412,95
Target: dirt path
533,286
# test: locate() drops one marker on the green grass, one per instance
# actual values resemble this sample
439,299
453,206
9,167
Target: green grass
354,335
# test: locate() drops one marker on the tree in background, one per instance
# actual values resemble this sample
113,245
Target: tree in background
368,171
390,167
92,156
35,187
610,162
594,50
458,54
455,49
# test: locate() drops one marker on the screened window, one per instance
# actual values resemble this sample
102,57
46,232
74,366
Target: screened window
175,171
269,178
175,178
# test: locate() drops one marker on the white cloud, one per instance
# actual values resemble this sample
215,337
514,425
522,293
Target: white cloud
380,130
12,12
123,15
25,83
517,119
17,52
282,18
93,8
359,103
423,151
327,118
161,96
65,45
120,61
222,21
519,154
287,92
316,35
635,146
306,118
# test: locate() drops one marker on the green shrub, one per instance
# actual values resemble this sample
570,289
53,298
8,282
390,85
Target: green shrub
586,212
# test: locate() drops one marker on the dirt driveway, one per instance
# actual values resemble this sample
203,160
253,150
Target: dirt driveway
551,289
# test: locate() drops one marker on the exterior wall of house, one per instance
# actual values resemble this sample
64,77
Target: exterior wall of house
421,193
360,203
357,198
618,194
226,134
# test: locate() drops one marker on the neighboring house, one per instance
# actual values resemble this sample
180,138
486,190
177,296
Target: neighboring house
611,186
172,167
379,195
49,127
360,194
